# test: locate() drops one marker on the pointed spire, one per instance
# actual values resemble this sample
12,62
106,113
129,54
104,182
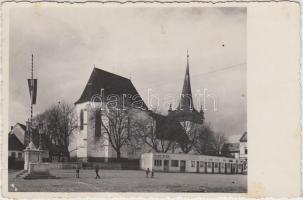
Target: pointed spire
186,101
187,66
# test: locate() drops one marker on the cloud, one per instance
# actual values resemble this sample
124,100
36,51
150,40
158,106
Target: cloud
147,44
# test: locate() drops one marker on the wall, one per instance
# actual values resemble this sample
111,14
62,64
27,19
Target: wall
243,146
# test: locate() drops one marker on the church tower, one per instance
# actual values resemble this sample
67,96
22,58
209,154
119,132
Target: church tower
186,114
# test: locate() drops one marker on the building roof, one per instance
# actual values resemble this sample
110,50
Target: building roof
168,128
231,147
244,137
22,126
111,84
14,143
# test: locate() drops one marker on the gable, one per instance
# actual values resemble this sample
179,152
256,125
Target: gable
110,84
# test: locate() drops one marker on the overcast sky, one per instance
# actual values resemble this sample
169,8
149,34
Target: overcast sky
147,44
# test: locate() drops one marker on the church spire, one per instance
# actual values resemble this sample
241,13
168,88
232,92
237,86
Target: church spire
186,101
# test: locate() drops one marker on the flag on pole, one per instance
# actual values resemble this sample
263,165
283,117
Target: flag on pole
32,85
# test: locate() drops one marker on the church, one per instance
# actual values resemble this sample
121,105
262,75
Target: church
90,143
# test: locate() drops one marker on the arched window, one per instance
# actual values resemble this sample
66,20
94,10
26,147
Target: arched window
81,119
98,123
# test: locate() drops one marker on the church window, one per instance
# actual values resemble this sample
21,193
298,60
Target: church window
98,123
81,119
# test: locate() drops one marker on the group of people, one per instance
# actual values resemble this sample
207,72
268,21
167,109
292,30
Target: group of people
98,176
151,173
96,170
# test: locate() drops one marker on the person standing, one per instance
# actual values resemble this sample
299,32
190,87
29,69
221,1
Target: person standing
78,171
147,172
97,171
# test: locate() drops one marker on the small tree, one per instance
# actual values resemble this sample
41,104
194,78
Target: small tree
219,140
205,143
192,130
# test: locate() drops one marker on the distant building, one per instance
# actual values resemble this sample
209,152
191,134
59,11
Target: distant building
243,147
15,148
90,143
231,150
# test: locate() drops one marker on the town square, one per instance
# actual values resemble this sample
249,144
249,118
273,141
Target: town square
97,107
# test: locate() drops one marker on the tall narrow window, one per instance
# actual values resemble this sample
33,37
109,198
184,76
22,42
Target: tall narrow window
98,123
81,119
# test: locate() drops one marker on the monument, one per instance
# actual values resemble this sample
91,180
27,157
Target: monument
33,157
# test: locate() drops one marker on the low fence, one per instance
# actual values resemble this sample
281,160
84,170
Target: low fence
127,165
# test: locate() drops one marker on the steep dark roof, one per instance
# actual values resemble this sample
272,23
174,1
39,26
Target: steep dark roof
230,147
14,143
186,115
244,137
112,84
168,128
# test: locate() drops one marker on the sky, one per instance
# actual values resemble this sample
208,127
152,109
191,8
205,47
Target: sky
147,45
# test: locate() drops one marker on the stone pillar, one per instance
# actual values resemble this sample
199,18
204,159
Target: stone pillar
31,155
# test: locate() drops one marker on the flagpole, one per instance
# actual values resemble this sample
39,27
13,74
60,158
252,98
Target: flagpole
31,119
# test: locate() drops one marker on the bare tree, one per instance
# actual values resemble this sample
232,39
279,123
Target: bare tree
144,127
219,140
116,124
192,130
58,122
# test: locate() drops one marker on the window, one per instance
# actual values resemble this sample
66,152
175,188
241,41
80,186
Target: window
14,154
158,162
216,165
222,165
201,164
98,123
81,119
19,155
245,150
228,165
193,163
174,163
209,164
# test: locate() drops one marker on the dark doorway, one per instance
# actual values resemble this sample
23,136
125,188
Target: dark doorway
166,165
182,165
197,167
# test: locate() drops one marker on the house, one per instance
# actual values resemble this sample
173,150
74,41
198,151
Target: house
19,130
243,146
103,89
15,148
231,150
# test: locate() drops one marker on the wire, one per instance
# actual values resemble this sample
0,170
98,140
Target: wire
195,75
